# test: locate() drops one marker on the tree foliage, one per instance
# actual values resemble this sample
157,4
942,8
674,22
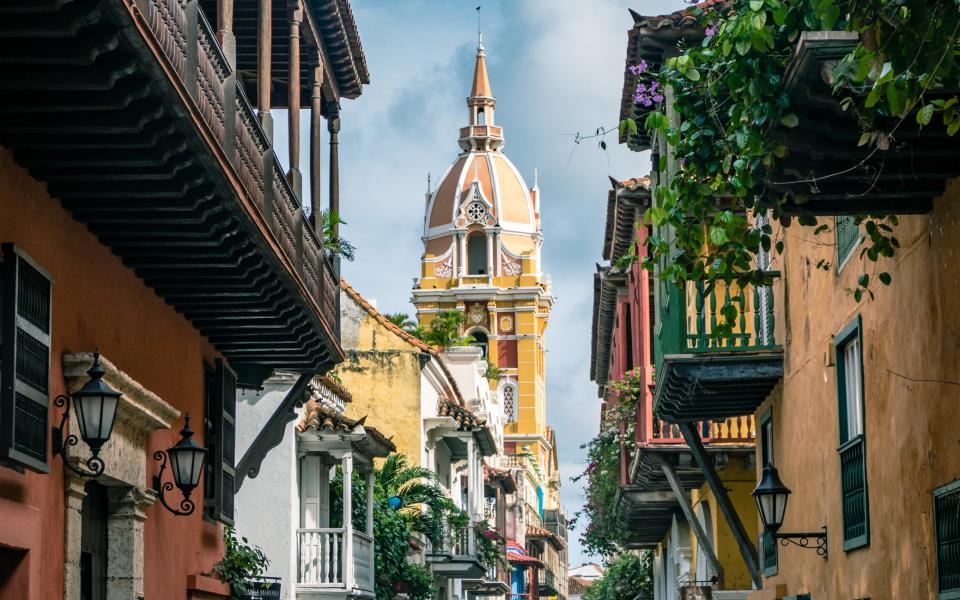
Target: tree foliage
628,576
729,100
404,322
242,563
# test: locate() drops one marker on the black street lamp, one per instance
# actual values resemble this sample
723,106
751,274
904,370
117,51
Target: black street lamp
96,407
772,496
186,464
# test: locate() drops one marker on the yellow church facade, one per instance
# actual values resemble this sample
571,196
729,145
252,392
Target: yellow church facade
482,257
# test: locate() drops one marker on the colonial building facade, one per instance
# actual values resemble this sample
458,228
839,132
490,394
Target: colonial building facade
851,395
143,214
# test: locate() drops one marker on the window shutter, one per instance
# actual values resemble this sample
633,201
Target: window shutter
25,313
221,440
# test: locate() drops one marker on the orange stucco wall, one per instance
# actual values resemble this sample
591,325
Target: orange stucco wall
99,302
911,351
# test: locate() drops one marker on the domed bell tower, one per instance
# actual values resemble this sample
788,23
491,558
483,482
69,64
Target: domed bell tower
482,249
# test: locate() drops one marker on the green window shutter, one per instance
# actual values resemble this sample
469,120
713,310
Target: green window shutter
768,549
848,236
855,505
220,425
946,504
25,318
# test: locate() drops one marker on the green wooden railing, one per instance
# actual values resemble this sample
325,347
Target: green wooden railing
692,319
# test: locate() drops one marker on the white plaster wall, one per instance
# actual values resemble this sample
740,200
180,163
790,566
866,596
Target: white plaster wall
267,508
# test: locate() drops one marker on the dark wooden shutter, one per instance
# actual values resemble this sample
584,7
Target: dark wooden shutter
25,314
221,440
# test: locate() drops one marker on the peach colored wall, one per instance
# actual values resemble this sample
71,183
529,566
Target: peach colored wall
99,302
911,345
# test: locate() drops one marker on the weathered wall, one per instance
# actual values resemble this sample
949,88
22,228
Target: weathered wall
382,373
911,355
97,302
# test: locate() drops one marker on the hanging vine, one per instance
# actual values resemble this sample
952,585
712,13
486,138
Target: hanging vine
728,98
603,532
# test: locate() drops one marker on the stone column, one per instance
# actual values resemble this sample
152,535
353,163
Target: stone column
128,506
491,266
73,523
462,245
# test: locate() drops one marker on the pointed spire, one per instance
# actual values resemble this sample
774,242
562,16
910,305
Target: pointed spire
481,82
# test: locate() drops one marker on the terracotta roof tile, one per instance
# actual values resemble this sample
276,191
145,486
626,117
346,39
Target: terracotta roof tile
322,419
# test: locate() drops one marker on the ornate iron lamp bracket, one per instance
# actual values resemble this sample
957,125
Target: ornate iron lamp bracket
803,540
186,505
95,464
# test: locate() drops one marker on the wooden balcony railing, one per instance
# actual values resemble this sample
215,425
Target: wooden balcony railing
324,561
652,431
194,56
691,320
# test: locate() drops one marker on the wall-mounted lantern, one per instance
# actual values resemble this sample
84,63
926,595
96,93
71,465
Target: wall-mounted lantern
186,464
772,496
96,407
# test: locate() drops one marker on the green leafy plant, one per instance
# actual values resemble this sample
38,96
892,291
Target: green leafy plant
241,564
404,322
728,99
332,243
445,330
493,372
628,576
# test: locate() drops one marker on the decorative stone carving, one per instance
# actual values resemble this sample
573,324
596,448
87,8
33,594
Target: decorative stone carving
510,266
444,269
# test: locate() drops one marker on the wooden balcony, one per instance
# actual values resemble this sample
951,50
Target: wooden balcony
130,113
703,372
328,566
495,582
456,557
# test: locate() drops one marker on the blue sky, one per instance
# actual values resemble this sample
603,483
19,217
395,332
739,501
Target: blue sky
556,68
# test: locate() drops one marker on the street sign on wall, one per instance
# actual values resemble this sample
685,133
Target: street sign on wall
261,590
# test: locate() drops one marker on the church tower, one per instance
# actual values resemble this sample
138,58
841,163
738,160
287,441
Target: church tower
482,248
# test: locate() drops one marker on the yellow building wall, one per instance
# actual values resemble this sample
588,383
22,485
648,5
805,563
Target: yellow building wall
382,373
739,482
911,353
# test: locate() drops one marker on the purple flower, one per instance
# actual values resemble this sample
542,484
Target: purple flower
641,88
711,31
639,68
658,98
653,87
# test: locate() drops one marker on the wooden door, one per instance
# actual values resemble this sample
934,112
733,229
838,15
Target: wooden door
93,543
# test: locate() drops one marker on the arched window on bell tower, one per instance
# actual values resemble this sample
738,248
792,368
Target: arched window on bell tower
477,254
481,117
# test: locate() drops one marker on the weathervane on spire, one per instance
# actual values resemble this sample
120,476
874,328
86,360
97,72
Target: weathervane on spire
479,30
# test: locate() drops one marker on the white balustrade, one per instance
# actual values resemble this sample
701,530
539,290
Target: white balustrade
320,556
363,560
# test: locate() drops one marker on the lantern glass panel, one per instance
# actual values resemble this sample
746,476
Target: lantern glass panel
187,464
